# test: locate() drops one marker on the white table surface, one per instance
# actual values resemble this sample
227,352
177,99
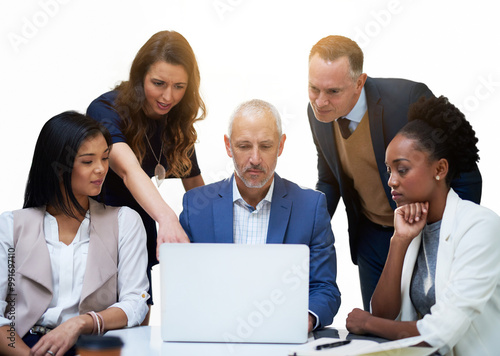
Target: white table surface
146,341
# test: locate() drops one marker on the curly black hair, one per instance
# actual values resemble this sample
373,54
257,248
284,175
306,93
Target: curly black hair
440,129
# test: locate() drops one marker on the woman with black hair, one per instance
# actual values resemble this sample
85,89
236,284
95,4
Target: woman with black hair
72,265
441,279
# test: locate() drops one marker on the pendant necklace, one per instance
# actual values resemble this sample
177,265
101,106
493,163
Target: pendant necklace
159,169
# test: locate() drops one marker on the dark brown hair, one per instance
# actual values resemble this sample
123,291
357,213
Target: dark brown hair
179,135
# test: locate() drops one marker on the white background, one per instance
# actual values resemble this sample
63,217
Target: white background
60,55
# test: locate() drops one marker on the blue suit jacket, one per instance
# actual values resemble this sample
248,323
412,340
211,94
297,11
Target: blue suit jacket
388,102
298,216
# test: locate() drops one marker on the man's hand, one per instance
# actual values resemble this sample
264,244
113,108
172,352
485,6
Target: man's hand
312,323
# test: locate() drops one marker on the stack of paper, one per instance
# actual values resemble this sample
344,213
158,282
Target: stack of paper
357,347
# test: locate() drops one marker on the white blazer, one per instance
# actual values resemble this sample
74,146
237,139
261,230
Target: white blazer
466,317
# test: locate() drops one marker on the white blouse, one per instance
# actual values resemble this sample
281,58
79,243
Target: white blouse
68,264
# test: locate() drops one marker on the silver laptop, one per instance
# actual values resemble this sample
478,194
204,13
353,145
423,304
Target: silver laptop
234,293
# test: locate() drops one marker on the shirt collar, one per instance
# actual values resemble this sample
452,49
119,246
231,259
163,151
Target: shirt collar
52,235
237,196
358,111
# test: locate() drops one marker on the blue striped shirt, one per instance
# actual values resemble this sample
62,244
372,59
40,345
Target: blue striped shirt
250,224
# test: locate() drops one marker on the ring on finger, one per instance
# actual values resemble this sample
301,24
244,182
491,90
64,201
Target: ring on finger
50,352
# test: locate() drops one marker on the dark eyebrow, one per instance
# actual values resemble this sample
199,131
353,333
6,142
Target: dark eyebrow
93,154
311,85
163,82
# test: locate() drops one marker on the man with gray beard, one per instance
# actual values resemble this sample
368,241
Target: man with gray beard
256,206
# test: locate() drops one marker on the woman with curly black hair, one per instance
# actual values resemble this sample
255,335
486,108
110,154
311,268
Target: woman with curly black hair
442,276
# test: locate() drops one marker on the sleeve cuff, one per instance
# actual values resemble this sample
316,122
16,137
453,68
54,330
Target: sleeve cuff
317,319
135,310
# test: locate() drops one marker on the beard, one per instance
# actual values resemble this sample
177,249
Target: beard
251,183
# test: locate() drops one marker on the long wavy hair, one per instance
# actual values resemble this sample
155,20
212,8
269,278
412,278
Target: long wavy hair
179,135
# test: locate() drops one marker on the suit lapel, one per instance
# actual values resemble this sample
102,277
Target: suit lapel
446,249
223,213
326,139
376,117
281,209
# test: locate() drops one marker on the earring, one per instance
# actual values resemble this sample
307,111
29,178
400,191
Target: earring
437,178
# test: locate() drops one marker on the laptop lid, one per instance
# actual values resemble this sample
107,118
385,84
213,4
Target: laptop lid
234,293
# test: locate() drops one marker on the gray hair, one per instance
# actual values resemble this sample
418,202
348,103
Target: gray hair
255,107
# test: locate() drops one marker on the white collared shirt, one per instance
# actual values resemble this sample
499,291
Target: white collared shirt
358,111
250,224
68,264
